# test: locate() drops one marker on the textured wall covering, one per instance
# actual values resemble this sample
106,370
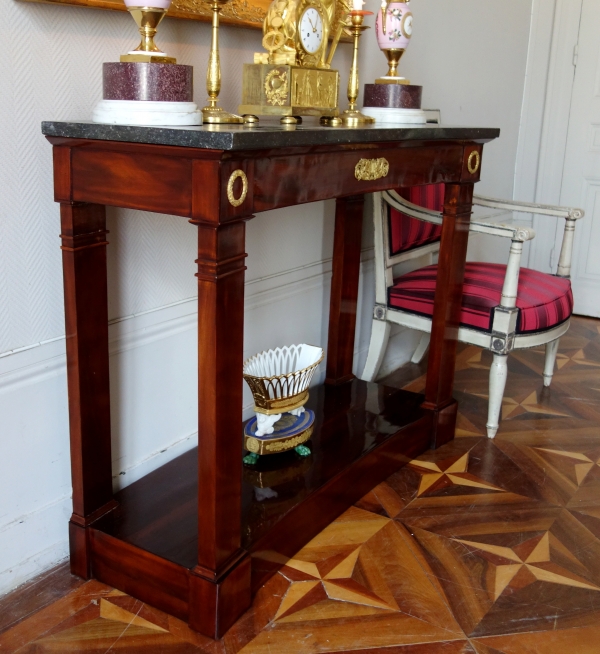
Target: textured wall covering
52,70
470,57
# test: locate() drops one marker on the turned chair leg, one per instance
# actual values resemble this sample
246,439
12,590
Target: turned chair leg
498,373
380,335
551,350
422,348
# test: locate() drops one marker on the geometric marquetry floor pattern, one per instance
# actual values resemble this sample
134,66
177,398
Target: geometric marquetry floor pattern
480,547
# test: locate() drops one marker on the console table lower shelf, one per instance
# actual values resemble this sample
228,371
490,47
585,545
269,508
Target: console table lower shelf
148,545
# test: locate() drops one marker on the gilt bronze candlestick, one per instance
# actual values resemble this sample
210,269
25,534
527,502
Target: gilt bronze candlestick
352,117
213,114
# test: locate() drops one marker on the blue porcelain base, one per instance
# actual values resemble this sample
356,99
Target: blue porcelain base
290,432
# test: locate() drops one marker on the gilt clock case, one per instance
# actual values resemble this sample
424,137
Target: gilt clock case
281,90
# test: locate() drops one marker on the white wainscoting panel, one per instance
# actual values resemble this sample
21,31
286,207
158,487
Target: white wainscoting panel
153,358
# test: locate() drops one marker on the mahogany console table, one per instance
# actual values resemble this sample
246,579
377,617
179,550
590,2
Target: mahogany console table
191,538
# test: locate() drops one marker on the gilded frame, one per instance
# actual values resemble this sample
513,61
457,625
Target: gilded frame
243,13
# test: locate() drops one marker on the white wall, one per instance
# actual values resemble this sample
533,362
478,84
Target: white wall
545,120
52,70
470,57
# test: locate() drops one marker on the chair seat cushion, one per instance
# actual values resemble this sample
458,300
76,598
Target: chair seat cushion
543,300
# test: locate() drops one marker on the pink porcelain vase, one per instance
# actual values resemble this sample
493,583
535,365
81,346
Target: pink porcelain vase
393,27
155,4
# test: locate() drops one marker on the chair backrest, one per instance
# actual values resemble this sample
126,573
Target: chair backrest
407,233
400,237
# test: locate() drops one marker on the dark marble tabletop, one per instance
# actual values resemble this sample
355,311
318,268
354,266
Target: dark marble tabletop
266,135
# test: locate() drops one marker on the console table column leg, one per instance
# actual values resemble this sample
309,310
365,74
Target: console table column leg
86,323
220,583
344,289
458,203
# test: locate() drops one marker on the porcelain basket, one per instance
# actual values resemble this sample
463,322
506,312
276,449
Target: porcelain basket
279,381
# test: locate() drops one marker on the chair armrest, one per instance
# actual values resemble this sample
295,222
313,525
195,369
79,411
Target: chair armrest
513,232
528,207
420,213
570,214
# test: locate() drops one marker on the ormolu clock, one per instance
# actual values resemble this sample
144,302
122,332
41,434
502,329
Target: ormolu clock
313,25
293,78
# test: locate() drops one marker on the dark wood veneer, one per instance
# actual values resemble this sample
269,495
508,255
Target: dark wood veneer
287,180
344,289
158,515
192,538
127,180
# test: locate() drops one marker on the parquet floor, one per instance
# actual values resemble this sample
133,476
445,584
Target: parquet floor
481,547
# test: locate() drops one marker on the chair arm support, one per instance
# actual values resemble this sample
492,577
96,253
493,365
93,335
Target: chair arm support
529,207
566,249
508,300
428,215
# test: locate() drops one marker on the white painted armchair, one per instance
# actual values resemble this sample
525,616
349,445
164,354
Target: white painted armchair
504,307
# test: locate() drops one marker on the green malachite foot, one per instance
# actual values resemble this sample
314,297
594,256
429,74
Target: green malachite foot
251,459
302,450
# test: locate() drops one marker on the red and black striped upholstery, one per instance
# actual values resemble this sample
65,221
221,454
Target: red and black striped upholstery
543,300
408,233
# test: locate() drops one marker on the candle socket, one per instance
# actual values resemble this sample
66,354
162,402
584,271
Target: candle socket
352,117
213,114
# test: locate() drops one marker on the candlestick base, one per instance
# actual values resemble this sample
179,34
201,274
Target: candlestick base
218,116
355,118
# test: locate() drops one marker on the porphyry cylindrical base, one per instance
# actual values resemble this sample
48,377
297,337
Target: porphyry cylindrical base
393,96
147,82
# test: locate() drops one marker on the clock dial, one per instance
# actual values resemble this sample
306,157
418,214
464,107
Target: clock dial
311,30
406,26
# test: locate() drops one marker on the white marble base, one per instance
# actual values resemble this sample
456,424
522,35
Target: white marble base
392,116
129,112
